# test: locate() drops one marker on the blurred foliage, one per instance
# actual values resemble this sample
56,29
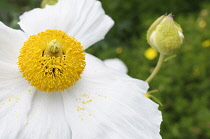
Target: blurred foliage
184,81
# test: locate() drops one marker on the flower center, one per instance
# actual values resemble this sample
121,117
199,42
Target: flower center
51,60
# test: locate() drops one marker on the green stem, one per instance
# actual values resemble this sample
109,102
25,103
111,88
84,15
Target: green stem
157,68
153,91
155,99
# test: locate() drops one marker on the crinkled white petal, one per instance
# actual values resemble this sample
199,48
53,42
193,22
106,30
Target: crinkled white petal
106,104
10,78
10,43
116,64
15,103
46,119
14,110
83,19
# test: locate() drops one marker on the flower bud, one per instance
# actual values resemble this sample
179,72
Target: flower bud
48,2
165,35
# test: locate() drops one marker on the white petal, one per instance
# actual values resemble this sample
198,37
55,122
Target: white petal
107,104
15,101
10,79
15,104
8,71
83,19
10,43
46,119
116,64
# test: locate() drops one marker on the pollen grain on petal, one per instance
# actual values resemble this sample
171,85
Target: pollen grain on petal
80,108
86,102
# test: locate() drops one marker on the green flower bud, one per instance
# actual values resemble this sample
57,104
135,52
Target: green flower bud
165,35
48,2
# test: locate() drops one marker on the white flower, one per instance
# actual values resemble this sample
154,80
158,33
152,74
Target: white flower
116,64
97,103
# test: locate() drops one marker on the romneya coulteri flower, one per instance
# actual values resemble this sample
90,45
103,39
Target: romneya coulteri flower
165,35
51,88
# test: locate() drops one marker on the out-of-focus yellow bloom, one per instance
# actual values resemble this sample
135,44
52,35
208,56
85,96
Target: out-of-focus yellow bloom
206,43
119,50
204,13
150,53
203,18
196,71
202,23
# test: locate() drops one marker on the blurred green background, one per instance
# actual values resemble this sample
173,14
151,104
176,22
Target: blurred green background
183,82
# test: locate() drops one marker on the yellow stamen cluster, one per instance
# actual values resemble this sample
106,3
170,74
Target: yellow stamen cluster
51,60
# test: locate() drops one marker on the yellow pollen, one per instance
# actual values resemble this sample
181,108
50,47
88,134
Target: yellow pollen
80,108
85,95
86,102
51,60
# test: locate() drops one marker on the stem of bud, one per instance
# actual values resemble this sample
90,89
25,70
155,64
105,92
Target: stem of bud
157,68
